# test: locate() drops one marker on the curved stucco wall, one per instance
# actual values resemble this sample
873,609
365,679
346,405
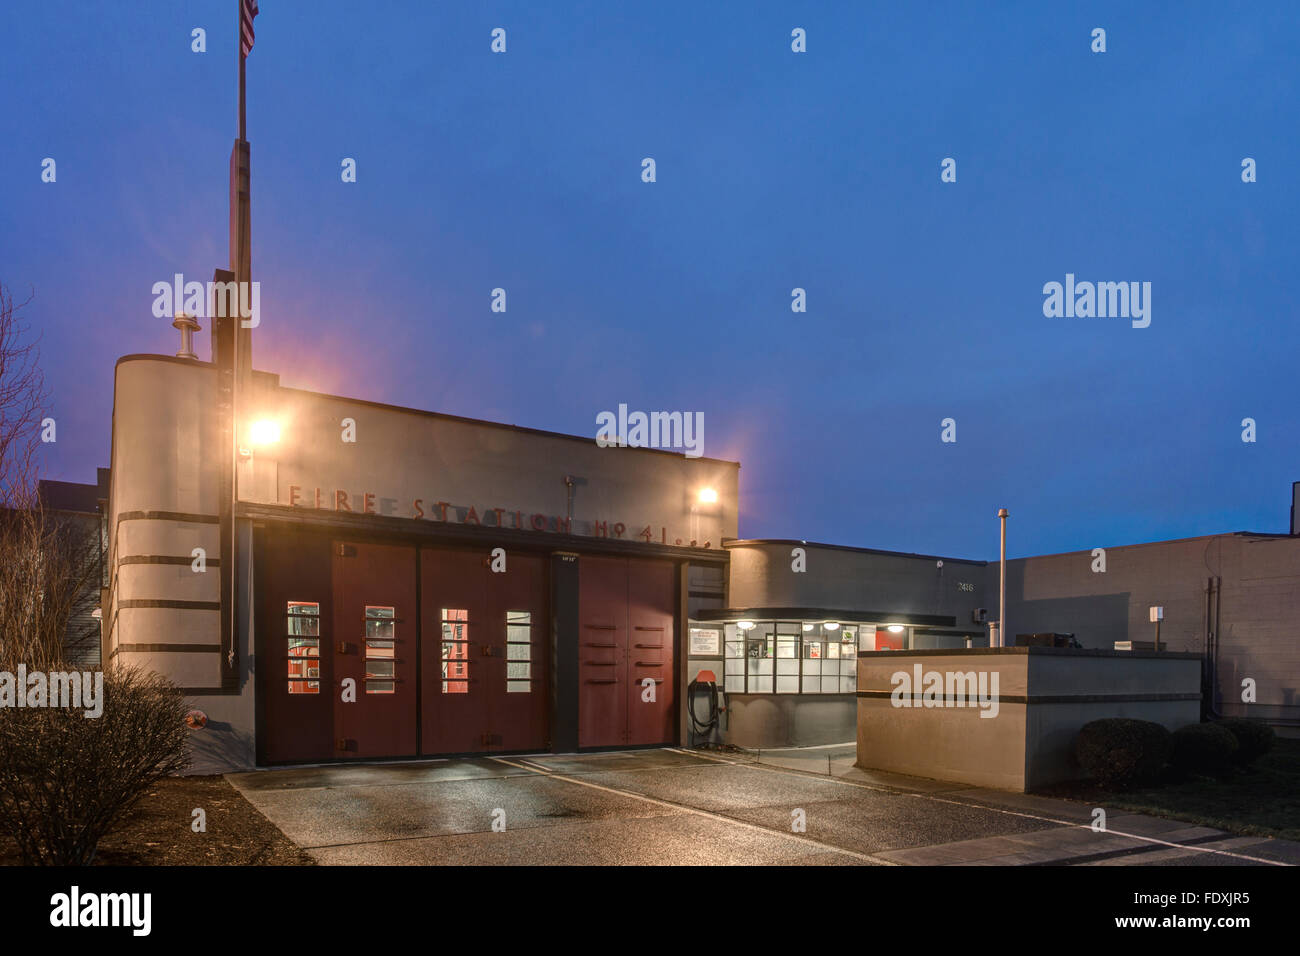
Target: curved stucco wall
163,506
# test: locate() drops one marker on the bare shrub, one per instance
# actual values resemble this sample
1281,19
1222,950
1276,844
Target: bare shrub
65,779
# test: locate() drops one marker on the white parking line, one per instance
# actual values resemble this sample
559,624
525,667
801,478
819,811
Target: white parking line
865,857
980,806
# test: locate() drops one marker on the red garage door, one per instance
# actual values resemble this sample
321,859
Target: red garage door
336,636
294,661
485,654
374,648
626,653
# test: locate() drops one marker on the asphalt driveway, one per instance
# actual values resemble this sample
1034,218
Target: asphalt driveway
672,806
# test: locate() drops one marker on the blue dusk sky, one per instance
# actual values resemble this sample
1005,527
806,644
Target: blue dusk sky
775,170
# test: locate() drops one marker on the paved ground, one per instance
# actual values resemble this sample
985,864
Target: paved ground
674,806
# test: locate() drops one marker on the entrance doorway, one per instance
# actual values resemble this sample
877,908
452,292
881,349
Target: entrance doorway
485,655
626,653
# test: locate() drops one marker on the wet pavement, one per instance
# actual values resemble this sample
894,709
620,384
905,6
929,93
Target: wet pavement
671,806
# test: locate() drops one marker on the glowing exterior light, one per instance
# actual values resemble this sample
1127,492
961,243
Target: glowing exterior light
708,496
264,432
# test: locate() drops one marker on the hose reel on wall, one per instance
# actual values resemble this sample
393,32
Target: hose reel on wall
705,683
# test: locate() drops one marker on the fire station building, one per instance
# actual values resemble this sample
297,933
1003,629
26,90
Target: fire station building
389,583
406,584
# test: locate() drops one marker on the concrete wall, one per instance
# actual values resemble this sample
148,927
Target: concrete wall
1043,697
1257,615
163,504
769,721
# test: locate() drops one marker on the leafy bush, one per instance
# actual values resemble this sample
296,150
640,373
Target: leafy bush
1202,748
1253,739
1120,752
65,779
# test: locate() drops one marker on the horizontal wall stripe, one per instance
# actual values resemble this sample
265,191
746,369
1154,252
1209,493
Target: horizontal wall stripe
420,530
1034,652
175,605
823,614
167,649
208,692
165,559
186,516
1047,698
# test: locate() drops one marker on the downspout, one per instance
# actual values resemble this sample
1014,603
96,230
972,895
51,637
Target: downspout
1210,663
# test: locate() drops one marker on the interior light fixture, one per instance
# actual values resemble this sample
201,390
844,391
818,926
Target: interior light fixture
832,625
895,628
744,625
808,627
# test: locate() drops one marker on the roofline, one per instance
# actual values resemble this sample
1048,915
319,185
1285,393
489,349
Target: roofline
521,429
791,542
1153,544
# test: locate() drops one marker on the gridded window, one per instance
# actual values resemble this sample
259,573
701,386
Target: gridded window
848,660
760,650
304,647
787,657
790,657
814,653
455,651
519,652
733,667
381,646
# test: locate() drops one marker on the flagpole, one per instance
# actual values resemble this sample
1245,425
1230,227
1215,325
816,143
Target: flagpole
240,37
237,266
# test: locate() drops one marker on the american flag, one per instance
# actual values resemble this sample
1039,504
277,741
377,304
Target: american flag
247,10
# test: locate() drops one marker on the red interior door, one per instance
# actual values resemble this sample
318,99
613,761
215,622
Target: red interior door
602,652
516,674
651,653
456,666
374,646
295,654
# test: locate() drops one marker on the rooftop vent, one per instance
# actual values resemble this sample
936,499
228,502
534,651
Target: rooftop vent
188,325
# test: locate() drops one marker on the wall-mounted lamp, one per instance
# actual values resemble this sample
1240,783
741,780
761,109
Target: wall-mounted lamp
708,496
264,431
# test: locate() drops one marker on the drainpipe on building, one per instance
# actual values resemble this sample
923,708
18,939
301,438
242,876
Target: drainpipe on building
1210,688
1002,588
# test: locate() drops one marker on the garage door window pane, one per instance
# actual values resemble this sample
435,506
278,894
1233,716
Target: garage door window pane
519,652
455,651
380,649
303,627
